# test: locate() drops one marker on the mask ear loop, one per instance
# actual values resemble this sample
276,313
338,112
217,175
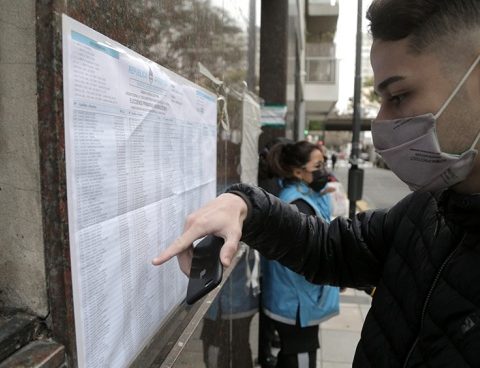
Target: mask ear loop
455,91
476,140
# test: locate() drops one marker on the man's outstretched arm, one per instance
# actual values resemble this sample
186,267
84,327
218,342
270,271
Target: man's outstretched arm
346,253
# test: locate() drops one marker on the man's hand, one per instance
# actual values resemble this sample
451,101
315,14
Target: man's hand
223,217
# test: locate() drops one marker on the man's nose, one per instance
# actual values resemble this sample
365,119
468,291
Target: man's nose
383,114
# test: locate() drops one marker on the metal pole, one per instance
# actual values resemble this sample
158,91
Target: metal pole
355,174
252,46
298,131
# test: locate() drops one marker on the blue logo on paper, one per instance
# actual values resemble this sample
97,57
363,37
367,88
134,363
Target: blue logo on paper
94,44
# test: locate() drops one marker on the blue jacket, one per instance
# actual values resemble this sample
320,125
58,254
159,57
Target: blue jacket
286,293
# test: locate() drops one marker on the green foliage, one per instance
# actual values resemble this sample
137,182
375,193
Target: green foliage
316,125
176,34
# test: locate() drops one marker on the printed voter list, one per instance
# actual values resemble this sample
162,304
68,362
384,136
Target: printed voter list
140,145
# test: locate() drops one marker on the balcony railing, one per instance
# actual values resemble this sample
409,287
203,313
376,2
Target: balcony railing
320,69
323,8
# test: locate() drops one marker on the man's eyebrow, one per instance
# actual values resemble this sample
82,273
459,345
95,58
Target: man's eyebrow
383,85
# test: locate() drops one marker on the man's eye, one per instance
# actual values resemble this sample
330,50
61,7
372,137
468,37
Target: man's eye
396,100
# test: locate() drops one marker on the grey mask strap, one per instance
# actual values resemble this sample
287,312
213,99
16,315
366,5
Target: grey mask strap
476,140
455,91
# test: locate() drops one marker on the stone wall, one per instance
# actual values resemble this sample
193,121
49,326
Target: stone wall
22,266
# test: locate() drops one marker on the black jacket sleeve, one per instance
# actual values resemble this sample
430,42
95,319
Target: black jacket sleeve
345,253
304,207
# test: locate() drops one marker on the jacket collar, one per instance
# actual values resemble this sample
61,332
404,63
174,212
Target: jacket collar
461,210
300,185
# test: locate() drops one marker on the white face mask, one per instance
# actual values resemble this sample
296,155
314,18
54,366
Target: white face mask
410,148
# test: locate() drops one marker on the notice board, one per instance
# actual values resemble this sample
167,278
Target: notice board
140,147
250,133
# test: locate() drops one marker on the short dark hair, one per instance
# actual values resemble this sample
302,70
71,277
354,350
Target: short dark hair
426,21
284,157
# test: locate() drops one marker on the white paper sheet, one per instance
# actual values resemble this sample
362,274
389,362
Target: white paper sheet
250,133
140,145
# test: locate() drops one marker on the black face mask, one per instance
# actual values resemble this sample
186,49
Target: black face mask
320,180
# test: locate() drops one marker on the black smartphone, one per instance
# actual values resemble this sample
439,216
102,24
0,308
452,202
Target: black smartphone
206,271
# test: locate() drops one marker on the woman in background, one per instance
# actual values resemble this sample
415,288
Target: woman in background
297,306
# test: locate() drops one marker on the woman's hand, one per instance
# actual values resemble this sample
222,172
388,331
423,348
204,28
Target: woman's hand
328,190
223,217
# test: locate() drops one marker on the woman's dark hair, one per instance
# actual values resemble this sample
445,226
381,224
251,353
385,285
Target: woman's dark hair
424,20
264,172
283,158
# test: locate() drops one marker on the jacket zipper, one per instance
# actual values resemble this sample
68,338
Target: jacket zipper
427,300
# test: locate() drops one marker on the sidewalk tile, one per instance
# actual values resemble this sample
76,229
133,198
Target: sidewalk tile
349,319
364,310
338,346
335,365
348,291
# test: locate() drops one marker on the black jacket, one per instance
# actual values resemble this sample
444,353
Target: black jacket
423,255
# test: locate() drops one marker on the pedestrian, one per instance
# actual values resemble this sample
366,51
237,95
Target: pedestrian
423,253
334,160
295,305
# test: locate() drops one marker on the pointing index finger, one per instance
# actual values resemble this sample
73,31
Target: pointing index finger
180,244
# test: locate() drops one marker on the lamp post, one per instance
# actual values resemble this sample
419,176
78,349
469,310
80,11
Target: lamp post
355,174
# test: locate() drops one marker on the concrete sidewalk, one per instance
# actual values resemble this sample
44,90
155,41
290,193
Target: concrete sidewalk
339,336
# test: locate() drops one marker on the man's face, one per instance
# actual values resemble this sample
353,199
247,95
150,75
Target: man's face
415,84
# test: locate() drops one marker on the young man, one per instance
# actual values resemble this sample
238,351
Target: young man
423,255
